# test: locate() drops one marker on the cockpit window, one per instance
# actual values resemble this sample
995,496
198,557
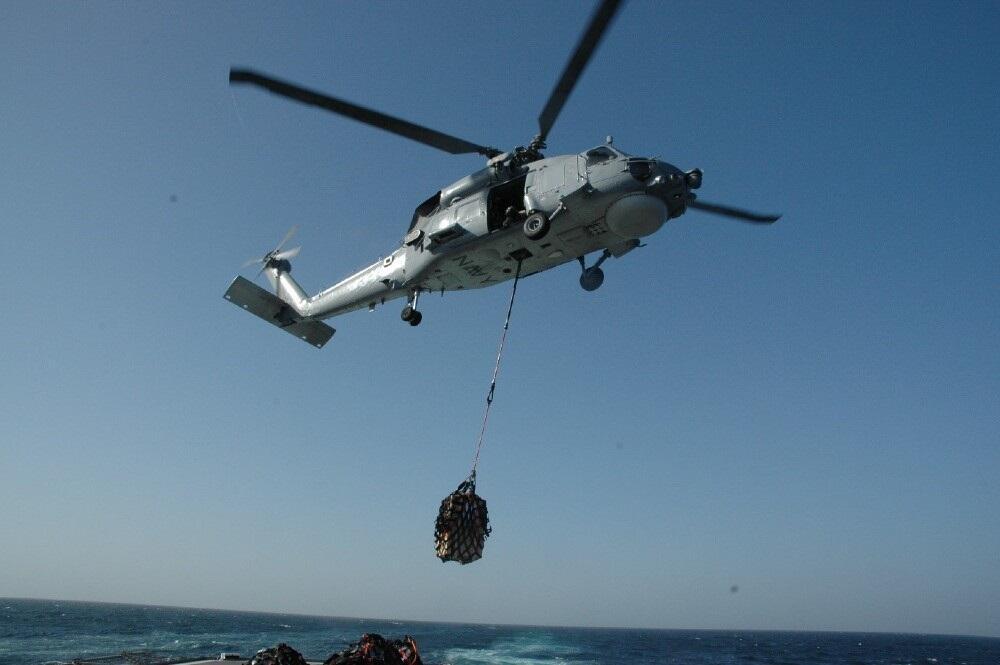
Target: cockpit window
598,155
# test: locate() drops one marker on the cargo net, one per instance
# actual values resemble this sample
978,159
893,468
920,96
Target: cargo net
462,525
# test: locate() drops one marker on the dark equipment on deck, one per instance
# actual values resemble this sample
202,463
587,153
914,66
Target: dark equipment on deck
373,648
279,655
462,524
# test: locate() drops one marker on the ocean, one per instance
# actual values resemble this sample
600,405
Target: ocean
46,631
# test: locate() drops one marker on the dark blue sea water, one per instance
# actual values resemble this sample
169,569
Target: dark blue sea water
45,631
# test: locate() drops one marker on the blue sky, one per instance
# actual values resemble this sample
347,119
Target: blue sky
808,411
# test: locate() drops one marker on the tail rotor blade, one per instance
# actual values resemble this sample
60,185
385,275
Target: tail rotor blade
276,254
288,236
288,254
733,213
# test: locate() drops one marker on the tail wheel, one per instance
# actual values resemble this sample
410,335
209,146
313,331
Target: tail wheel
408,313
416,318
536,226
592,278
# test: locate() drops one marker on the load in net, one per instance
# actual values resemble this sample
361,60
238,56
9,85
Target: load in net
463,524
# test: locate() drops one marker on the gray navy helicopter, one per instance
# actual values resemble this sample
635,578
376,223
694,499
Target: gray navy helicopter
521,214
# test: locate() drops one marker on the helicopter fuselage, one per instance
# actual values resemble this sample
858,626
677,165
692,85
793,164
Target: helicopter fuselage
520,215
470,235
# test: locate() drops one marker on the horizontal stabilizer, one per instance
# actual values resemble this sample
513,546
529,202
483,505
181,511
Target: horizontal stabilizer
277,312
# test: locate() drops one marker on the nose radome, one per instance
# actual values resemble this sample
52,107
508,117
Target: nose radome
636,215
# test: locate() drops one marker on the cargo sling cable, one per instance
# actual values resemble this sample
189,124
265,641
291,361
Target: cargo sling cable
496,370
463,523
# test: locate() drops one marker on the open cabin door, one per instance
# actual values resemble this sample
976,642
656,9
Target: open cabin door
501,197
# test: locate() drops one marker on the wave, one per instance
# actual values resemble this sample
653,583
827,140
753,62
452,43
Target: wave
527,650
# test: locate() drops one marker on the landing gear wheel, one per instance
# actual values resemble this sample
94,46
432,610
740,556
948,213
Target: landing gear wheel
416,318
536,226
407,313
591,279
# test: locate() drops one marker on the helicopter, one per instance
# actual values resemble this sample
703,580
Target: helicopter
519,215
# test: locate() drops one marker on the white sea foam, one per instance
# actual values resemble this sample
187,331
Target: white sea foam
529,650
501,657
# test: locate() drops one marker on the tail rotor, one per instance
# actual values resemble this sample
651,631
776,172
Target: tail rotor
276,255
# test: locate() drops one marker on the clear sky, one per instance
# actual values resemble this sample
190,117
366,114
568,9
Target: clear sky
808,411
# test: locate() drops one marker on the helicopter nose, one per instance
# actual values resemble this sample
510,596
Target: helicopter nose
673,186
669,177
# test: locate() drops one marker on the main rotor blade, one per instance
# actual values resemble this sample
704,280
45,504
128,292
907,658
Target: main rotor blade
735,213
584,50
433,138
